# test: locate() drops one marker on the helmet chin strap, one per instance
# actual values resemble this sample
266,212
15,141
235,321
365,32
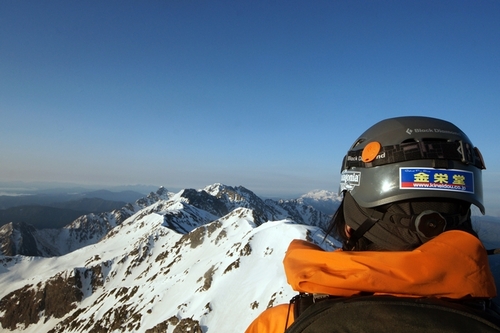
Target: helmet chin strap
371,219
350,243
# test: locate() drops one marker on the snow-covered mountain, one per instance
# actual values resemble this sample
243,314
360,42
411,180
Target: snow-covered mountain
325,201
217,200
197,261
194,261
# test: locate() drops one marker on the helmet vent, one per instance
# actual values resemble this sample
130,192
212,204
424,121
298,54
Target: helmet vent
435,140
426,140
411,140
357,143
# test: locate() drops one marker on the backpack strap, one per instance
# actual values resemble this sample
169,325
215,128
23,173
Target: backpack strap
302,301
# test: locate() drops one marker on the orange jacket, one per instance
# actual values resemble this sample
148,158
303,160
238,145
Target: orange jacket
452,265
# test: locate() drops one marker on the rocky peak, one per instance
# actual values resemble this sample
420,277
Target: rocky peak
205,201
18,238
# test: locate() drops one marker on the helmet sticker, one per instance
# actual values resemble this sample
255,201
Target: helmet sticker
436,179
349,179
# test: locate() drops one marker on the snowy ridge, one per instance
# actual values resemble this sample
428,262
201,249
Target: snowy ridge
145,276
216,200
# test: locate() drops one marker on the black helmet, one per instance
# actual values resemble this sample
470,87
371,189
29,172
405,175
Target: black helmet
413,157
407,179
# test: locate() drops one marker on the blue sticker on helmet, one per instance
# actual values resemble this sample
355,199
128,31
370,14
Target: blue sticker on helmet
436,179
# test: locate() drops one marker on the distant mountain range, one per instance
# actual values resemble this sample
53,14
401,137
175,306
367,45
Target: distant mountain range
56,210
57,199
15,188
200,261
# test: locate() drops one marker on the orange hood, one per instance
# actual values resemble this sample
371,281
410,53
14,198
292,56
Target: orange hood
452,265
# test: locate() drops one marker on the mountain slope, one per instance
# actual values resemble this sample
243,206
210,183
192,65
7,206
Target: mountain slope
145,276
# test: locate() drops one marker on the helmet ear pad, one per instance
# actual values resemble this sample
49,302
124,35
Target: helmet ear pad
406,225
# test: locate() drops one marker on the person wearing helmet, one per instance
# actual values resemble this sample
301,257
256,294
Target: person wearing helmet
408,184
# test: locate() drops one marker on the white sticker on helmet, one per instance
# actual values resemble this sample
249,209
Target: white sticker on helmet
349,179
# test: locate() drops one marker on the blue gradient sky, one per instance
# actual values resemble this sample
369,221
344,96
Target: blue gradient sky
264,94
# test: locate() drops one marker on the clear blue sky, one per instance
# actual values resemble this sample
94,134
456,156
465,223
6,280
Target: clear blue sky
264,94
